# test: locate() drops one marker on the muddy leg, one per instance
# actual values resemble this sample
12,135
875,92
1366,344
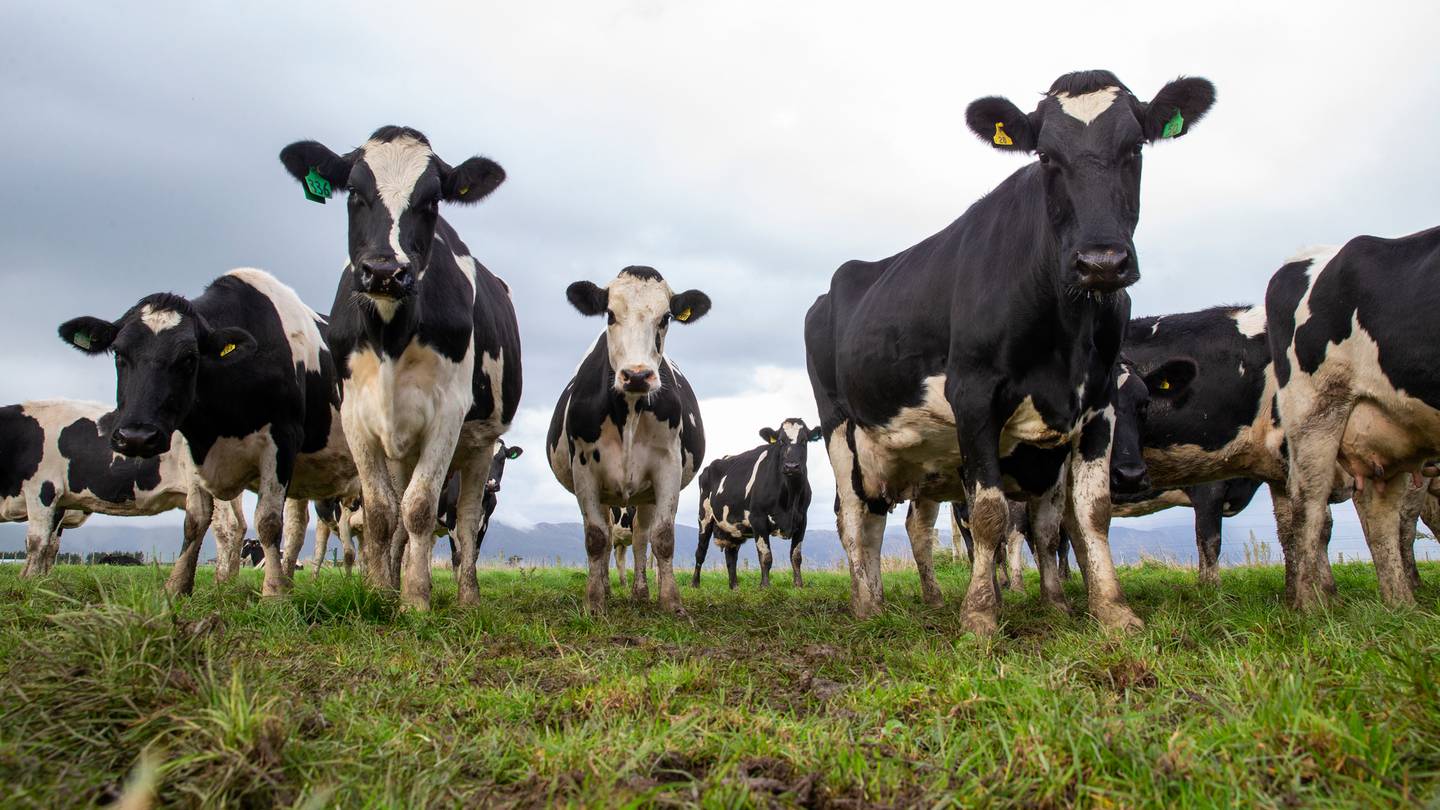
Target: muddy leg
920,527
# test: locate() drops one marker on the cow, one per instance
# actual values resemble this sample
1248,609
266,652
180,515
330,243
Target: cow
242,372
1212,501
981,360
1009,554
426,342
445,518
622,536
342,518
1351,334
760,493
252,552
627,429
57,467
1212,414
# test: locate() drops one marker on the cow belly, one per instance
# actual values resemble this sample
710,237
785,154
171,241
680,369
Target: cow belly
915,450
399,402
328,472
1380,441
233,465
12,509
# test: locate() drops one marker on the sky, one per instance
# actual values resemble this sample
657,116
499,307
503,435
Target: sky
743,148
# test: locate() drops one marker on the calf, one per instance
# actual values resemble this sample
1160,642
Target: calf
761,492
1212,501
939,377
426,342
1352,335
243,374
57,467
627,430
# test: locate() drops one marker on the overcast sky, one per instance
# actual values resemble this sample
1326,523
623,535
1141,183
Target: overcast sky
741,148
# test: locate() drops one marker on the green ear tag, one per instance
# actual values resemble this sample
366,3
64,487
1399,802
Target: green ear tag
81,339
1173,126
317,188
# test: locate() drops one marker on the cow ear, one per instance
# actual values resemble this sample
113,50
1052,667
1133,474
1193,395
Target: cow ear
1177,107
1000,122
588,297
768,434
689,306
1172,379
303,157
472,181
227,345
816,434
514,453
89,335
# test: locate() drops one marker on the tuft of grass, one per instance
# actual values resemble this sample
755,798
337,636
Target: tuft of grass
112,692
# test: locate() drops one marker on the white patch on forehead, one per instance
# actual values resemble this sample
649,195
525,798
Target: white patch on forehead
639,304
1250,322
1086,108
159,319
397,166
791,430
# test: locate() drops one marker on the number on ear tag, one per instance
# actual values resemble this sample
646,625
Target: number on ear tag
317,188
229,347
1001,139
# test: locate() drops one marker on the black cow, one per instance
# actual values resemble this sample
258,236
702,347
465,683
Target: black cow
1353,332
627,428
761,492
57,467
1212,502
450,498
982,359
243,373
426,342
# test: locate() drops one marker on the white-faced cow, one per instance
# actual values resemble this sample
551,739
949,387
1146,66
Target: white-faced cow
1353,333
982,359
1212,501
57,467
760,493
627,428
426,342
243,374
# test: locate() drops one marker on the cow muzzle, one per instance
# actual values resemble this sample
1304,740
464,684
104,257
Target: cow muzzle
385,278
143,441
791,469
1129,479
637,380
1105,268
492,486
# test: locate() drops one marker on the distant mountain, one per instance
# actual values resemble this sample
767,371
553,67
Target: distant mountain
549,543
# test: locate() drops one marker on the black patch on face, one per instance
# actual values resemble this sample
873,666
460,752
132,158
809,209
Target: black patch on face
22,447
97,468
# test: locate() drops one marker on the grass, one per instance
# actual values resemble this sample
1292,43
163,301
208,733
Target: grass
334,697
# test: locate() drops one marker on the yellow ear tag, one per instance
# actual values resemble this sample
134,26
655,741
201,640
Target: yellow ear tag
464,191
1164,385
684,315
229,347
772,439
1001,139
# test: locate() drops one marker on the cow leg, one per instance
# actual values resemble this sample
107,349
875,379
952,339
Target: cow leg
660,531
417,512
198,508
1046,515
269,526
640,572
1015,558
347,538
1409,515
596,519
469,516
1314,445
227,520
989,522
297,521
732,556
377,490
920,518
1208,502
796,538
322,546
1062,553
767,559
702,547
1087,518
52,542
1378,505
620,552
40,520
861,528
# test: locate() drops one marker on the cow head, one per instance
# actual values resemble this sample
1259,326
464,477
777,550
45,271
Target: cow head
793,437
395,185
497,465
1128,474
1088,132
622,523
639,307
1238,493
162,348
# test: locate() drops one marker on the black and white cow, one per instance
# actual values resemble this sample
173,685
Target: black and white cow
1212,501
242,372
57,467
622,536
982,359
446,517
1352,332
762,492
426,342
627,428
341,517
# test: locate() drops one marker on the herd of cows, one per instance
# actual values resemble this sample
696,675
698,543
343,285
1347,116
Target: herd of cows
993,366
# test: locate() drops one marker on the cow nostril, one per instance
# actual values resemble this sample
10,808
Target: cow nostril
1107,260
402,275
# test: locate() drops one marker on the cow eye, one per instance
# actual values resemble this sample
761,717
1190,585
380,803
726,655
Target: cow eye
664,320
1044,158
609,317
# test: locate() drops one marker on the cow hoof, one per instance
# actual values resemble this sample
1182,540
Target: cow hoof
1059,605
981,623
1118,617
934,600
674,609
866,609
1208,579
